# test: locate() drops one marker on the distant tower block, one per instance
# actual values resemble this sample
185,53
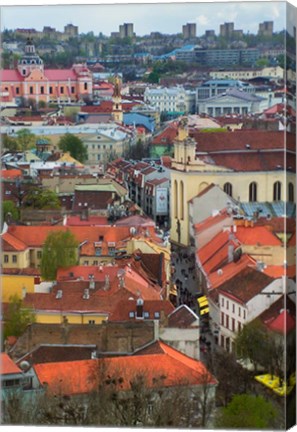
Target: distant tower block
126,30
265,28
189,30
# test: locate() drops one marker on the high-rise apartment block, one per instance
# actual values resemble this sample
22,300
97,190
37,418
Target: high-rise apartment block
265,28
71,30
227,29
126,30
189,30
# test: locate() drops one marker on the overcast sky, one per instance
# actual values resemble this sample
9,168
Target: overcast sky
162,17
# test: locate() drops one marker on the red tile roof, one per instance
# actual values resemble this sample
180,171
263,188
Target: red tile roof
150,308
257,235
11,243
7,366
228,271
279,271
10,75
167,369
10,174
211,220
60,74
167,136
280,317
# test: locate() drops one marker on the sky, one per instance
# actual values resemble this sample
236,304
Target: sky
147,17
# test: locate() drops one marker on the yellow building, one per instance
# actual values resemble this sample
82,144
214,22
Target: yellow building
18,284
246,174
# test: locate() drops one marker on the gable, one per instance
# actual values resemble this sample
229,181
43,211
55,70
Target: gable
36,75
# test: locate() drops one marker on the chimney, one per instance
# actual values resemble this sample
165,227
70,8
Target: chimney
230,253
156,330
106,282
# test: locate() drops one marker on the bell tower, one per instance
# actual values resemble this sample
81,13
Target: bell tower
184,146
117,112
30,60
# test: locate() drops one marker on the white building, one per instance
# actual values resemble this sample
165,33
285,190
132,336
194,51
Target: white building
175,99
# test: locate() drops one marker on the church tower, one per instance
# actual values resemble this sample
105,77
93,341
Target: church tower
184,146
117,112
30,60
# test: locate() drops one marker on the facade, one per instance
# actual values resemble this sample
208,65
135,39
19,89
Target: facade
31,80
232,101
275,72
227,29
174,100
227,57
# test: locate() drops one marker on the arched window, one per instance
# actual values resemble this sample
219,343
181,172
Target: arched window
291,192
253,192
228,188
175,198
277,191
182,198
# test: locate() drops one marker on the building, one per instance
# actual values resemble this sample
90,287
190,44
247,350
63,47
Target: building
273,73
220,58
71,30
31,80
226,159
189,30
265,28
233,101
227,29
215,87
174,100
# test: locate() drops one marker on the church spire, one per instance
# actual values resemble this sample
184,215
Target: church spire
117,111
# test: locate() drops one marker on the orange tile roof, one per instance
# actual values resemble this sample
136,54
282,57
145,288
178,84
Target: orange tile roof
257,235
10,173
12,243
215,253
7,366
168,368
292,241
279,271
229,270
211,220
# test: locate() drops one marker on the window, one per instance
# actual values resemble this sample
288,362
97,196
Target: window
6,258
72,90
223,302
39,254
14,258
233,308
131,314
157,315
31,90
227,321
227,304
98,157
239,326
24,71
86,263
253,192
277,189
291,192
244,314
98,251
17,90
91,321
111,251
98,146
222,318
51,90
233,324
42,90
239,311
228,189
146,315
86,86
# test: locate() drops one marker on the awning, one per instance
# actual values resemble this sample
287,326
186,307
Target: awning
203,305
204,311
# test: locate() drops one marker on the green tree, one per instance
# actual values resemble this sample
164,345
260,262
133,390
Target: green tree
25,139
42,199
10,207
10,143
247,412
17,318
59,250
74,145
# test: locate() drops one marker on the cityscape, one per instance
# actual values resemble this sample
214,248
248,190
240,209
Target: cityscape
148,215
